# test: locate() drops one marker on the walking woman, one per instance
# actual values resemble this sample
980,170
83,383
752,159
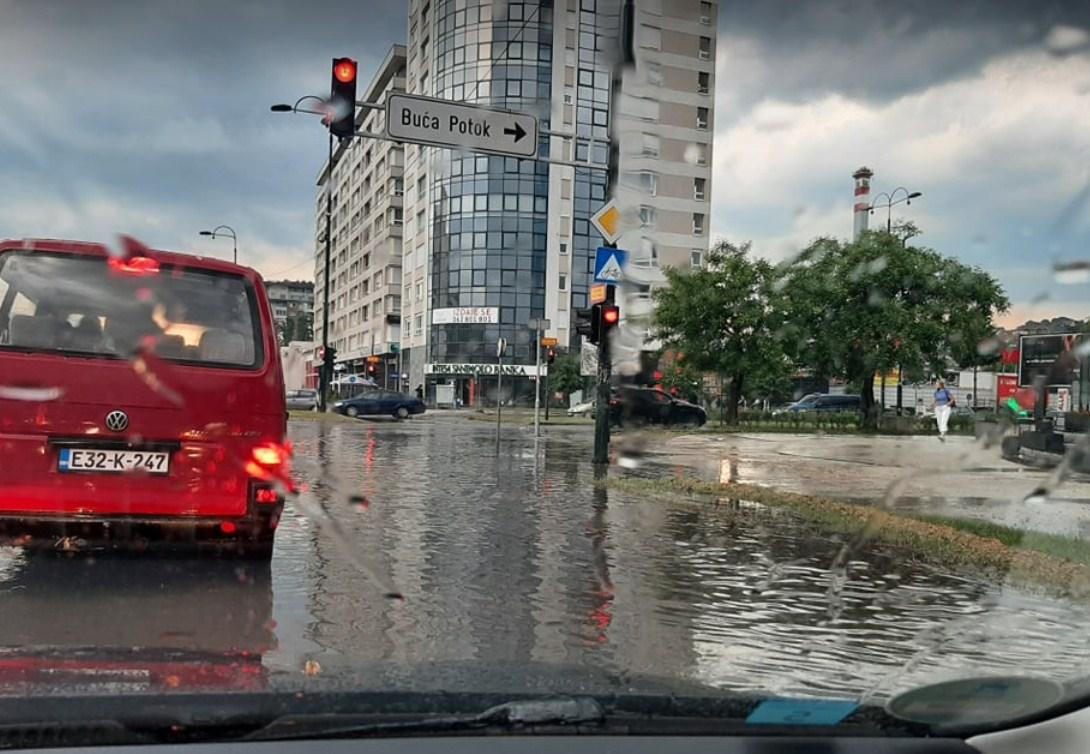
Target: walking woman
942,403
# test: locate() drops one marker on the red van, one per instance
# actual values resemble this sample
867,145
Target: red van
141,399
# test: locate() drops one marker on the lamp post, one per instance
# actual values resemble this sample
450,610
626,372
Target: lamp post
224,230
890,201
326,377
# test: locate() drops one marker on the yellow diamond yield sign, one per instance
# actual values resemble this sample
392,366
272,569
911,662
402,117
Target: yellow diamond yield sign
608,222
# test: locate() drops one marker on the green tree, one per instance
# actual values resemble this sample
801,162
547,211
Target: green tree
564,376
868,306
725,317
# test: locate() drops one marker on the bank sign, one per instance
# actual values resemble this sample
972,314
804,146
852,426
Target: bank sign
484,370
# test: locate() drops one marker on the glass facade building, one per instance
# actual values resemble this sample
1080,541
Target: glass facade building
489,213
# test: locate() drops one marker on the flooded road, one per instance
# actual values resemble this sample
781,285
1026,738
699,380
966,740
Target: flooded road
517,573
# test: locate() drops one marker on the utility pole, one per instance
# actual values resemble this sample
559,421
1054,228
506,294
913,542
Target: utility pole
602,393
325,378
538,326
501,349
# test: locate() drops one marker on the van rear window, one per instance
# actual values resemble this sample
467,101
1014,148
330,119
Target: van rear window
80,305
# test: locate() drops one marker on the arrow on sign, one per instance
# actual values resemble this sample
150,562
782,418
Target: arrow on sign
518,132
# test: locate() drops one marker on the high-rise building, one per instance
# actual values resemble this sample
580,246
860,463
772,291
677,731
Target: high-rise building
289,299
367,222
492,242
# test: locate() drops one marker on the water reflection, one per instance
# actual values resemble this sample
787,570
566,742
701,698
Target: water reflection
117,624
519,580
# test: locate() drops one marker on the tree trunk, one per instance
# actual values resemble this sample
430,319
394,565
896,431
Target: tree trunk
870,407
735,397
722,403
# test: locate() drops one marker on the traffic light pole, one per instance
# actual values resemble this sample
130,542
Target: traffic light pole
537,382
601,402
326,376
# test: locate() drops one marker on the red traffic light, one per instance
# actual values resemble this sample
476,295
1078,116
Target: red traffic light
610,315
345,70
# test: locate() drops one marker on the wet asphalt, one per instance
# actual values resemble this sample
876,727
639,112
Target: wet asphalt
420,556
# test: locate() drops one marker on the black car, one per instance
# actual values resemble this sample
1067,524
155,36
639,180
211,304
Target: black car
825,403
632,405
381,403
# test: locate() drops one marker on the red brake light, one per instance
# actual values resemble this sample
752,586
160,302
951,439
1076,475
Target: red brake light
228,527
139,266
345,71
269,455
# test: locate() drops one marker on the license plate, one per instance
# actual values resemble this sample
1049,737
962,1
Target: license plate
113,461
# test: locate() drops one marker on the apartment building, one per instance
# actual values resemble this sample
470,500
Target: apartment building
289,298
368,188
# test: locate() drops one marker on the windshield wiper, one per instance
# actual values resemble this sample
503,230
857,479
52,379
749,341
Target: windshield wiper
510,715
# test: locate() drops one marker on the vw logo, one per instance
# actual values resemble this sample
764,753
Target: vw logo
117,421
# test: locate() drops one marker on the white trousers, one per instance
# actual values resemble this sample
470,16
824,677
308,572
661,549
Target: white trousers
942,417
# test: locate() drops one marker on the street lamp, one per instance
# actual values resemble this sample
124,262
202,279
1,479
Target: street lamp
222,230
326,378
890,201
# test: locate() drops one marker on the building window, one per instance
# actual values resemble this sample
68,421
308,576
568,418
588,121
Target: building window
419,291
648,182
703,82
706,12
421,221
650,145
567,98
562,283
421,189
650,37
705,48
702,118
563,247
647,216
418,325
698,223
696,257
654,74
699,188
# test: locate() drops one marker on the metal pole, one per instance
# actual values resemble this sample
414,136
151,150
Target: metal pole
499,399
235,239
900,380
326,377
546,391
601,409
537,381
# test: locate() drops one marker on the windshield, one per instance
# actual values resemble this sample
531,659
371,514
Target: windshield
670,349
82,305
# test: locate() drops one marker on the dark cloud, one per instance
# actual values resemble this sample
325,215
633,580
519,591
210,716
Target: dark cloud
874,50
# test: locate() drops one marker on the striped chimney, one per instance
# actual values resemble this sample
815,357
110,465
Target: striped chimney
861,208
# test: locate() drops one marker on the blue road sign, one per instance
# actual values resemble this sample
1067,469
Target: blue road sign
609,265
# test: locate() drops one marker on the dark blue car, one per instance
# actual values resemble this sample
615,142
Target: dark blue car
381,403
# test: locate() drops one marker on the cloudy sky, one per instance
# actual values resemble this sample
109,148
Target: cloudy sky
152,118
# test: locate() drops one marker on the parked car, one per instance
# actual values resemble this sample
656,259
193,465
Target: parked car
825,403
586,408
135,454
381,403
643,405
302,400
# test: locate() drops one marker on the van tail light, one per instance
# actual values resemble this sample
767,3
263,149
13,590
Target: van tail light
266,495
136,266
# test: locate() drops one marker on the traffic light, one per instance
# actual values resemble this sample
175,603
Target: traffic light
329,358
372,369
342,98
550,355
611,315
585,324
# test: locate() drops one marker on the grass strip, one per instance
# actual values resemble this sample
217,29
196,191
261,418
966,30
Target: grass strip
1025,557
317,416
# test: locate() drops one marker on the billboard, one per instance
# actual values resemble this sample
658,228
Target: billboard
1050,357
466,315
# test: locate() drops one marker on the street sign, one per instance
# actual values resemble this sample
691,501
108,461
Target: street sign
598,293
609,265
374,359
539,324
549,342
607,221
445,123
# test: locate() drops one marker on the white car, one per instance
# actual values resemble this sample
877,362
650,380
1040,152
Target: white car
586,408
